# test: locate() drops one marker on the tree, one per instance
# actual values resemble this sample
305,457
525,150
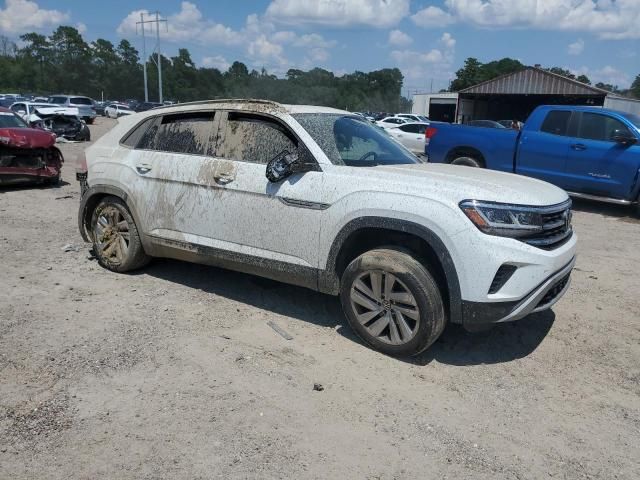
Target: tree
474,72
584,79
608,87
635,87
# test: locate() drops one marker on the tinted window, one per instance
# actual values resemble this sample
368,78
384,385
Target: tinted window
633,118
18,106
594,126
133,138
556,122
252,138
348,140
180,133
11,120
57,100
80,101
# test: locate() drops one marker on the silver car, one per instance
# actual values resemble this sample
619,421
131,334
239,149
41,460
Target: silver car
84,105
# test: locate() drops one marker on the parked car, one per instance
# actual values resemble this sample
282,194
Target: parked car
99,108
390,122
413,118
83,104
589,151
317,197
412,135
116,110
144,106
27,154
65,122
485,124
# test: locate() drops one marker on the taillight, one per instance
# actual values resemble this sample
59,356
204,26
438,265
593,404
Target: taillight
430,132
81,163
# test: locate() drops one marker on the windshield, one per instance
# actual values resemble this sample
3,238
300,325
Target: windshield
352,141
11,120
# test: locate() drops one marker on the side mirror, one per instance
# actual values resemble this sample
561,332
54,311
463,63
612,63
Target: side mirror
281,166
623,137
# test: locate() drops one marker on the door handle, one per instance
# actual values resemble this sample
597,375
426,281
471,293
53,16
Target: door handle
142,169
223,179
579,146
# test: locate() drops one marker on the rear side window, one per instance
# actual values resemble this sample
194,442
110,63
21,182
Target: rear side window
556,122
413,128
180,133
134,138
57,100
594,126
80,101
256,139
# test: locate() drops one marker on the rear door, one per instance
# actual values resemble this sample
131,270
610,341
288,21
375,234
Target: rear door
598,165
543,154
412,136
277,222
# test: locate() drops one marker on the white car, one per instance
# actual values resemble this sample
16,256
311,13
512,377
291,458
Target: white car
316,197
413,118
28,110
116,110
390,122
411,135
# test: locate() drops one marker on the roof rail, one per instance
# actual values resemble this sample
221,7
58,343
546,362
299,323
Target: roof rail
223,100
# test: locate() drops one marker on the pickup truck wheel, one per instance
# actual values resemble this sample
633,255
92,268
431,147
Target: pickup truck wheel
116,242
392,302
467,162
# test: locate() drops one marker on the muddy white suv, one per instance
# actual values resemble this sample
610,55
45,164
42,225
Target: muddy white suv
318,197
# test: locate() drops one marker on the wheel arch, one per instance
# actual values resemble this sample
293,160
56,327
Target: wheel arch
365,233
90,200
464,150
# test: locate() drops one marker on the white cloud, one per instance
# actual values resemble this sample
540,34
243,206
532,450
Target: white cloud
186,25
265,51
434,64
432,17
398,38
217,61
612,19
19,16
606,74
576,48
339,13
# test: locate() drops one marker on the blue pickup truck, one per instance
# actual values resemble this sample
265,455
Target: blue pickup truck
590,152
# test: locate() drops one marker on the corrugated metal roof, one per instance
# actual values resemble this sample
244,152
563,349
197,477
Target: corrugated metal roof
533,81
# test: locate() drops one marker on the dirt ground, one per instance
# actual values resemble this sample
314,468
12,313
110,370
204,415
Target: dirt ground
173,372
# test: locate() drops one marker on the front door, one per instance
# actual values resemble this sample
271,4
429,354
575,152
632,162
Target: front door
277,222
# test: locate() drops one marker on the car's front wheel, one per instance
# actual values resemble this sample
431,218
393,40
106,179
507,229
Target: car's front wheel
116,241
392,302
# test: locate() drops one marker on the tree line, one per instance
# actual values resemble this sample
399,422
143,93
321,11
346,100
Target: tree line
474,72
64,62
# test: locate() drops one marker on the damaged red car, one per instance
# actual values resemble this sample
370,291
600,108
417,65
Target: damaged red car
27,155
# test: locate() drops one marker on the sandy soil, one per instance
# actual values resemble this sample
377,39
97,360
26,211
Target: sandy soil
173,372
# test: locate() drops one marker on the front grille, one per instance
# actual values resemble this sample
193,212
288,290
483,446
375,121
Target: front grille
556,228
555,291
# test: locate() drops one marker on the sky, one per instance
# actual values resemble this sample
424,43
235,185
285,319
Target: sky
427,39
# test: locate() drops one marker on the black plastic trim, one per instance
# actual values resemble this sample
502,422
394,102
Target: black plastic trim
328,281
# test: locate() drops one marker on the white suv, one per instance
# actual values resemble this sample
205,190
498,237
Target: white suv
319,197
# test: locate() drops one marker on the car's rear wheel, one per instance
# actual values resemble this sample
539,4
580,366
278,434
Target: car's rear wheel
467,161
392,302
116,242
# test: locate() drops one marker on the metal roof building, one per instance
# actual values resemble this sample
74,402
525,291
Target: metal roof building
515,95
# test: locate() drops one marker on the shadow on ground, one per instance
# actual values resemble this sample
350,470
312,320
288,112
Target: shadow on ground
31,185
623,212
503,343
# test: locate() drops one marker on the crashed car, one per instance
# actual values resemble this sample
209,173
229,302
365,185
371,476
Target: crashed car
63,121
27,154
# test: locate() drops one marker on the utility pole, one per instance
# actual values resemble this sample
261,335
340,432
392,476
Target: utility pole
156,50
144,56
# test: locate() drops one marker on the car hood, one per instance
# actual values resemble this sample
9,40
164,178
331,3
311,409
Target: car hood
26,138
468,183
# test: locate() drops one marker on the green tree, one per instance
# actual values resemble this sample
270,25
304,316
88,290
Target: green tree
635,87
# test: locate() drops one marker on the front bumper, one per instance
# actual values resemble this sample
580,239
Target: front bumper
543,297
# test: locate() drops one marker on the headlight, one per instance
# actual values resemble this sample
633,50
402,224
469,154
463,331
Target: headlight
502,219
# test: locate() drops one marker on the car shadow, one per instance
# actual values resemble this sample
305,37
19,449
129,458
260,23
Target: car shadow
624,212
456,346
31,185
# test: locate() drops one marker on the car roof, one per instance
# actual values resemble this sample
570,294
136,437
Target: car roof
255,105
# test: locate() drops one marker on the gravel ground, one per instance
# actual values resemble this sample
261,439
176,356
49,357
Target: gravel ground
173,372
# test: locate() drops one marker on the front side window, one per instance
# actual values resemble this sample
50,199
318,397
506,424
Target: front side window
256,139
556,122
134,139
188,132
18,106
594,126
11,120
352,141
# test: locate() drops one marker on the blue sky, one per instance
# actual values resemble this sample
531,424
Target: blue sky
427,40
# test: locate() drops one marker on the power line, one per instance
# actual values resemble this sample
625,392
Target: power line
156,50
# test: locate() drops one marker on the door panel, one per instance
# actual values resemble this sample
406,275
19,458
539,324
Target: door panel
280,222
597,165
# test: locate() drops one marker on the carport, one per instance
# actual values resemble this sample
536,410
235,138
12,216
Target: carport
514,96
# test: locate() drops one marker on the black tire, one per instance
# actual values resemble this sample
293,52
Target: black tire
90,121
467,161
413,278
107,243
54,181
